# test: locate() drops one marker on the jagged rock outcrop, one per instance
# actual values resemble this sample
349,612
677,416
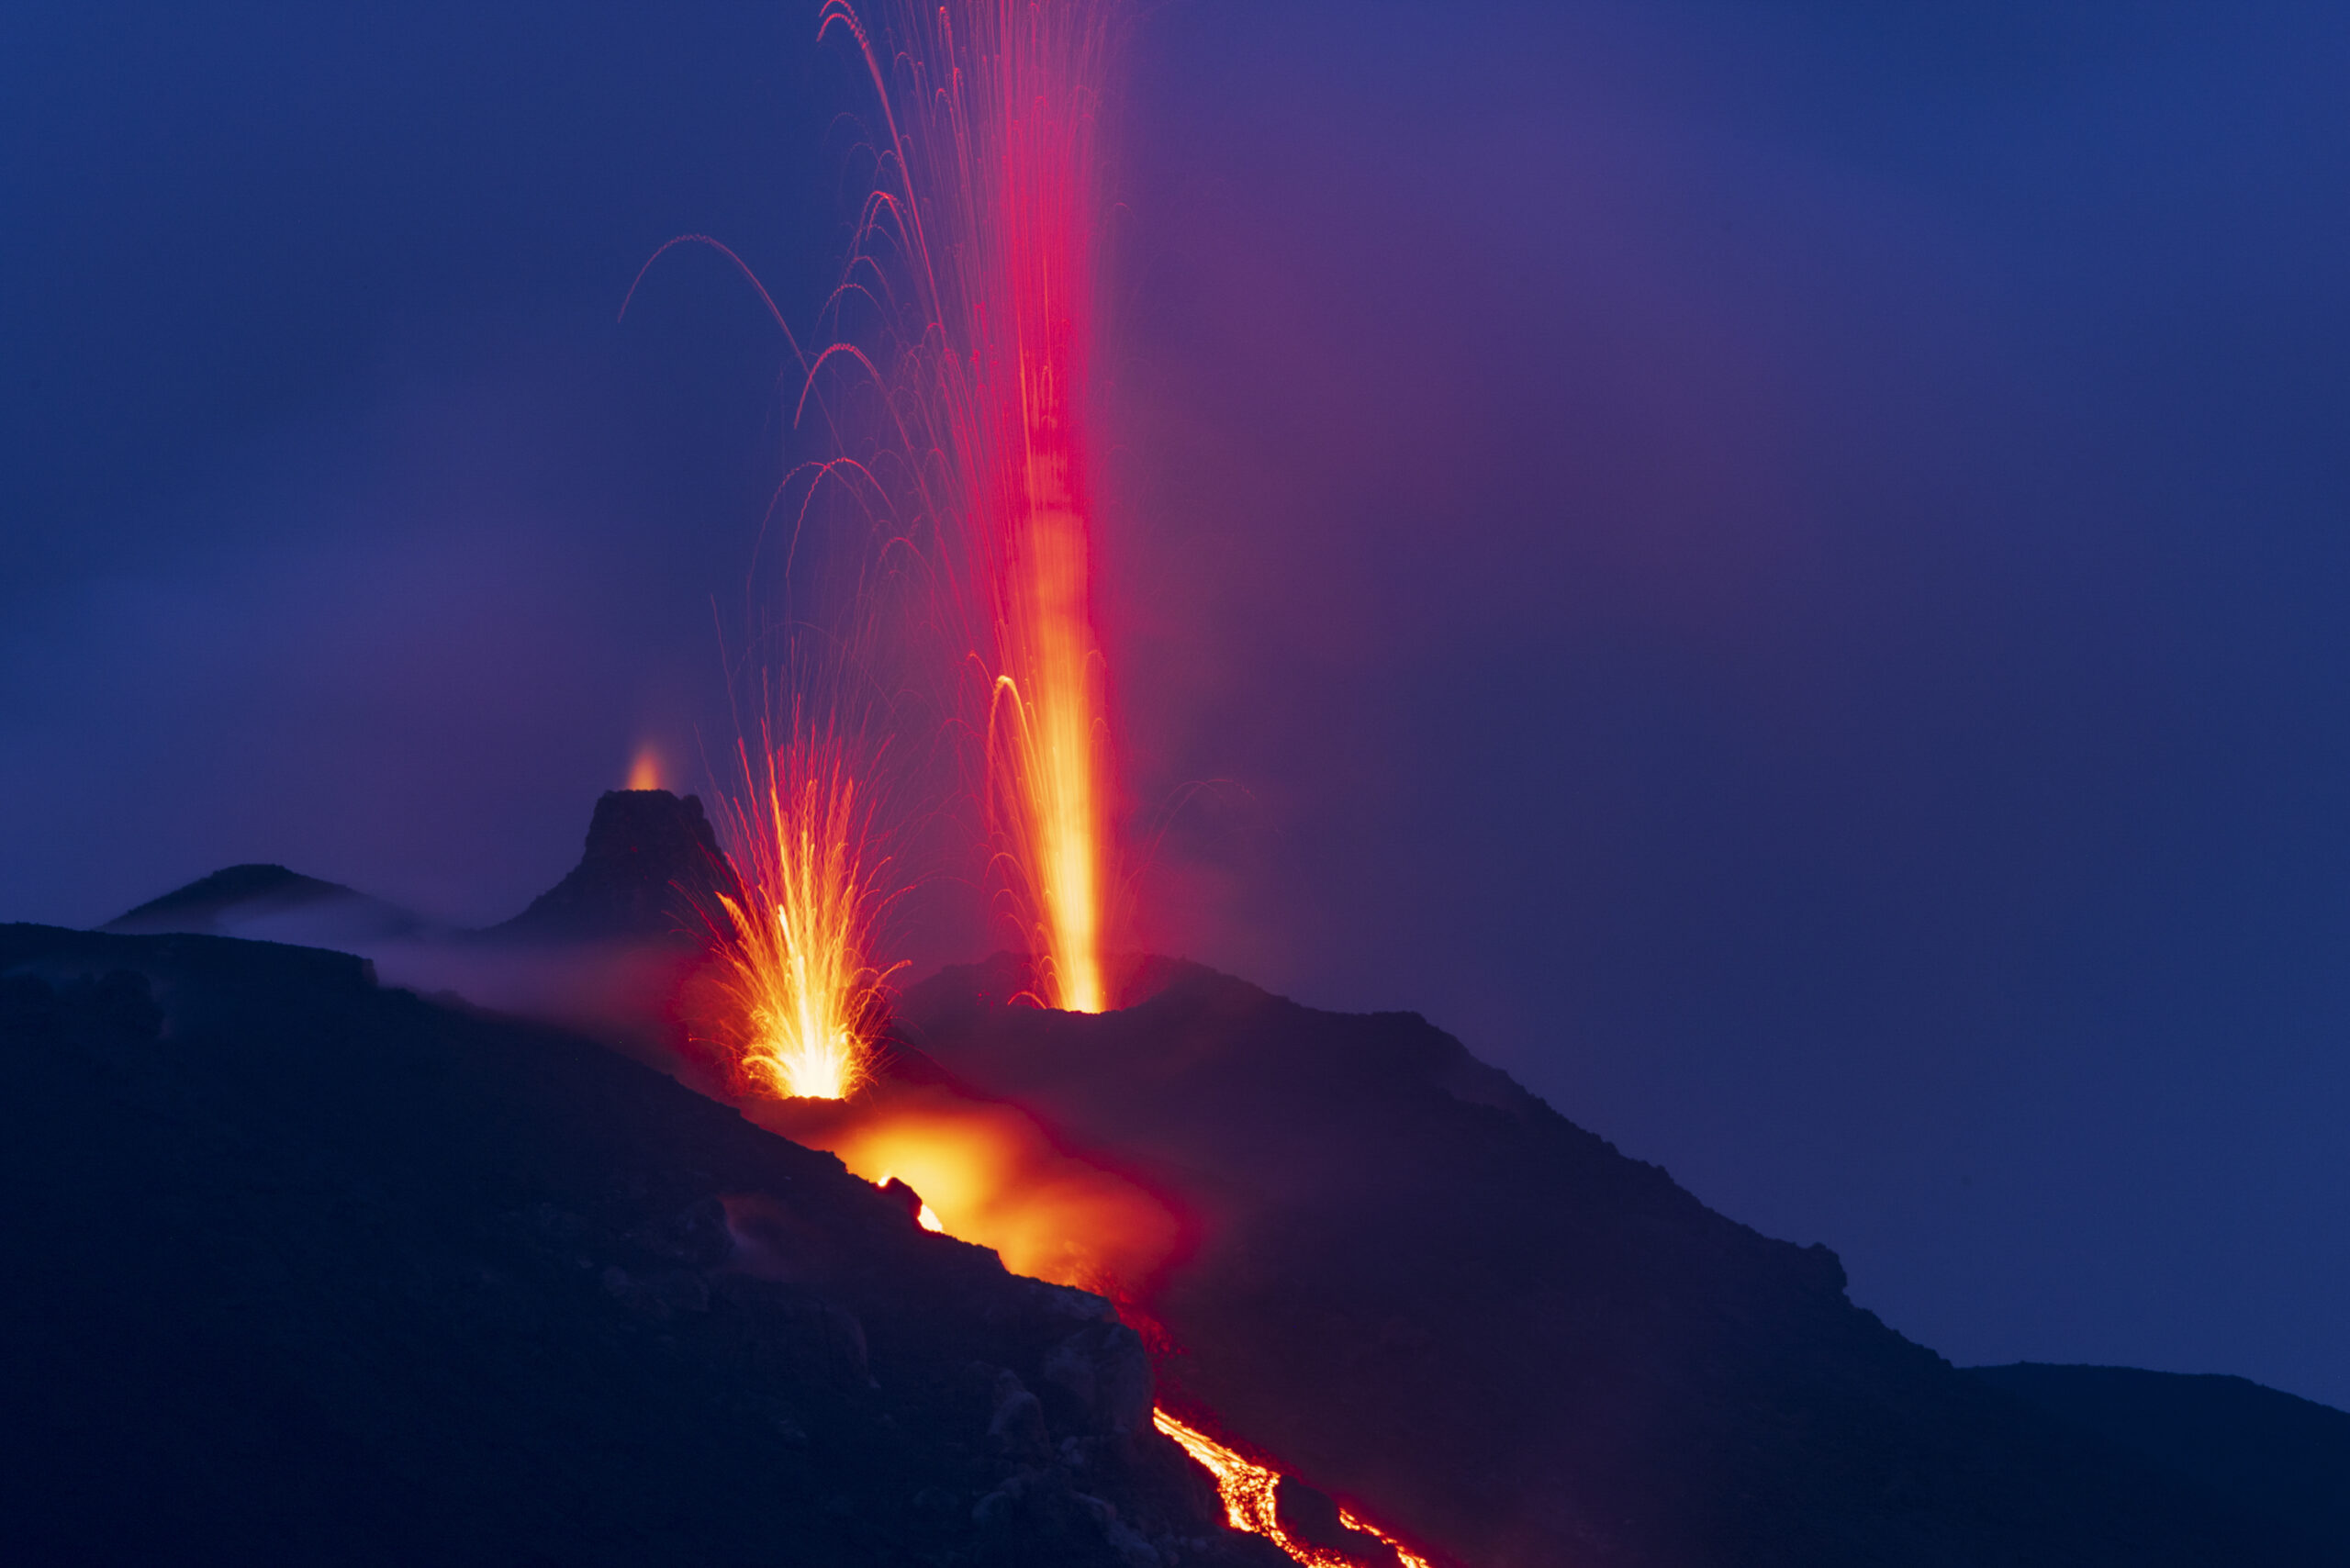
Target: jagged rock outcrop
650,855
307,1271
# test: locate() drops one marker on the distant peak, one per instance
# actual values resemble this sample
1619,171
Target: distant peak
253,884
649,853
633,820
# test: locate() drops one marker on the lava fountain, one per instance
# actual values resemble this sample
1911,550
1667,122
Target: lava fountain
990,107
805,1001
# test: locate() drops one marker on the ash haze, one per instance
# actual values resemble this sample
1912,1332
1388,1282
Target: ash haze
1777,569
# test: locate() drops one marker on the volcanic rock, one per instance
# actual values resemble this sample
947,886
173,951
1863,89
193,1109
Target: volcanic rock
650,857
1103,1374
1426,1292
304,1270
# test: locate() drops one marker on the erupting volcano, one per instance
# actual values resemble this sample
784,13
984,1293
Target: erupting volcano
989,208
662,1223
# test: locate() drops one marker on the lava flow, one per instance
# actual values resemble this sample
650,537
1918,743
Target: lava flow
990,1174
990,127
1250,1492
806,1002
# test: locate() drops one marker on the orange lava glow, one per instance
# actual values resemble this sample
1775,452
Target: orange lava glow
989,1174
645,773
1250,1491
805,1001
991,126
1044,731
927,1218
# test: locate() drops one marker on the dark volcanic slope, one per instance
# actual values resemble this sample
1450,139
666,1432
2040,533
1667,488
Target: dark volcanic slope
2266,1453
1431,1294
303,1270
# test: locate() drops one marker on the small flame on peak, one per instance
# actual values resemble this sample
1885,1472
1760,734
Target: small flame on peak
645,773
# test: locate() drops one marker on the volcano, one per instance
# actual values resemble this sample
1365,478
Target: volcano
345,1273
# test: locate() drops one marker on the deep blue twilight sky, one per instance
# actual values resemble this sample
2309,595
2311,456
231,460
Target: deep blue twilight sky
1779,568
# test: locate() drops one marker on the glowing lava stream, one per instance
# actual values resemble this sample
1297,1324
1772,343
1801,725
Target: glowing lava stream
1008,1201
793,944
1249,1491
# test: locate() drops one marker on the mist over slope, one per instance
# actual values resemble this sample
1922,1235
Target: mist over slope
274,903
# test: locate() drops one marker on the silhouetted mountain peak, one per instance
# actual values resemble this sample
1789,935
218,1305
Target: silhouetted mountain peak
649,855
227,887
269,902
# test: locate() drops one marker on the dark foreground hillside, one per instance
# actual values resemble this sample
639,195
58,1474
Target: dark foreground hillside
2260,1450
306,1271
1418,1284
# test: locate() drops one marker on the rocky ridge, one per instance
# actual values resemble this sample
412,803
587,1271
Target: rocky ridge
315,1271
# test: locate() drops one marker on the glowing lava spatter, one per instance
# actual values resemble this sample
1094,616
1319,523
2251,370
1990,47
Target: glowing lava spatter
807,1002
1250,1494
990,107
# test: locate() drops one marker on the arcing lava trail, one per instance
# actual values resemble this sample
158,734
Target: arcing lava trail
989,210
993,199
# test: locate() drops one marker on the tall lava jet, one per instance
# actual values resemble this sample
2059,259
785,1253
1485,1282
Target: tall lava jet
992,191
